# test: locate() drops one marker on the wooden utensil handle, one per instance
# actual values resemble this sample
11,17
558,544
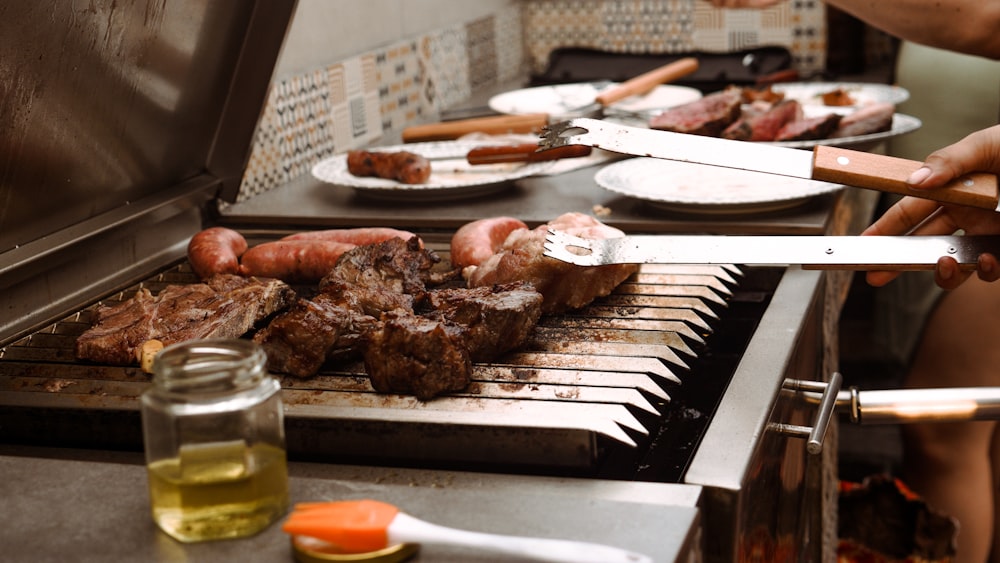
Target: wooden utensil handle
493,125
889,174
527,152
648,80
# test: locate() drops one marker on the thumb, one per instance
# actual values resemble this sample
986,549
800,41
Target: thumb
978,152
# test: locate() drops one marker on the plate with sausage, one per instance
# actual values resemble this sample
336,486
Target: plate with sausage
432,171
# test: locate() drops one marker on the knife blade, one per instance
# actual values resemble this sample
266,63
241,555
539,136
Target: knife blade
534,122
900,253
823,163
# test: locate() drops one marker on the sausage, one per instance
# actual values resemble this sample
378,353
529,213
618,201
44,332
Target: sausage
474,242
293,261
402,166
216,250
359,236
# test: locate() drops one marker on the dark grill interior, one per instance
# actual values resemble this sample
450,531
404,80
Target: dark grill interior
621,389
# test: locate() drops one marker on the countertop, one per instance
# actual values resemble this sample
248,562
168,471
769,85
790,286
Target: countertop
92,506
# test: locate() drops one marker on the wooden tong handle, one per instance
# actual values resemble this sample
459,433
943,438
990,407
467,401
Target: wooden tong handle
526,152
648,80
493,125
889,174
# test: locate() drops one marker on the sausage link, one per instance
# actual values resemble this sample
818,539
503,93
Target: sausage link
360,236
293,261
474,242
402,166
216,250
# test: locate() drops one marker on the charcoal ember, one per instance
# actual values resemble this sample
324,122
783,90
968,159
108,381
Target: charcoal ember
499,318
374,276
415,355
810,128
225,306
706,116
764,126
299,341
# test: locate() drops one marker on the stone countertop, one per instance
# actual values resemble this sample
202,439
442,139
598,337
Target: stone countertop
92,506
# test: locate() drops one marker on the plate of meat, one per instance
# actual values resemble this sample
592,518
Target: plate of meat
743,114
696,188
433,171
561,99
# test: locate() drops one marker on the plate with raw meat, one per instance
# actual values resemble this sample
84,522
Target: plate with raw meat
697,188
451,176
561,99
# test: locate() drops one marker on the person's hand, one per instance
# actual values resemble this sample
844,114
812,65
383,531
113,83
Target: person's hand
979,152
744,3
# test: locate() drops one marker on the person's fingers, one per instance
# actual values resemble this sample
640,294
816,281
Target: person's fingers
988,268
977,152
878,278
947,273
902,217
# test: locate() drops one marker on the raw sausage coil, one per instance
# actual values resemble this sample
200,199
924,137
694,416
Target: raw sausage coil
216,250
293,261
359,236
474,242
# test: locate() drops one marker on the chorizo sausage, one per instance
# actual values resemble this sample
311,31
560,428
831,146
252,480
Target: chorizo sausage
402,166
293,261
359,236
474,242
216,250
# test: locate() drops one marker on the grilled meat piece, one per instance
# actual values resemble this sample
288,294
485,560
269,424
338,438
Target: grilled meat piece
225,306
403,166
498,318
563,286
809,129
764,126
706,116
417,355
380,277
299,341
873,118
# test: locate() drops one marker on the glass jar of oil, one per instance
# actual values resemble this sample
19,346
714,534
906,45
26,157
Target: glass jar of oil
213,431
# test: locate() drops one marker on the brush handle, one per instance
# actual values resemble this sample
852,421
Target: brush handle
407,529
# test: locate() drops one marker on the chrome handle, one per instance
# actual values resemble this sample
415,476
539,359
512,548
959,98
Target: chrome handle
816,433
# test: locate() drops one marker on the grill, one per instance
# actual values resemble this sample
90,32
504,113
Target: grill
620,389
672,388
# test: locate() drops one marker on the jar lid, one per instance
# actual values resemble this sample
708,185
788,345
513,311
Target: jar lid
310,550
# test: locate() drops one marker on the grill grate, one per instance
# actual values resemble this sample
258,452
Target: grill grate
592,386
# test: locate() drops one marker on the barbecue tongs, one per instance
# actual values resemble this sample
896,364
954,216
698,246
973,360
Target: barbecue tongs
823,163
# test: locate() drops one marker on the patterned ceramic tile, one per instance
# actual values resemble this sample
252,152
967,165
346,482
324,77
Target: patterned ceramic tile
303,113
481,46
448,67
509,44
549,24
264,170
354,103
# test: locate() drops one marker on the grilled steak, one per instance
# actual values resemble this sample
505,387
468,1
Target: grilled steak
764,126
417,355
809,129
498,318
300,340
706,116
873,118
225,306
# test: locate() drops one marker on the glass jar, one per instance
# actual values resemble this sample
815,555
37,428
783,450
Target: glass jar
213,429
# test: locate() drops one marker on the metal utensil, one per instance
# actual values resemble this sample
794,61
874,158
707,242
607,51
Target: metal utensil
809,251
534,122
823,163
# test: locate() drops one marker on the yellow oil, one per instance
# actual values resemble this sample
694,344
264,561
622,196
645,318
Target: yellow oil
220,490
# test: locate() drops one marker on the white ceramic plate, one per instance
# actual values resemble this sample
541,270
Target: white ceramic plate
862,92
452,177
559,99
687,187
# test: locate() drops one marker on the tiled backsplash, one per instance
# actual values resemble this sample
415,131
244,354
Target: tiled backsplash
350,103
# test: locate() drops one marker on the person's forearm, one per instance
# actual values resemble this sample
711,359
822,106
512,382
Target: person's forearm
968,26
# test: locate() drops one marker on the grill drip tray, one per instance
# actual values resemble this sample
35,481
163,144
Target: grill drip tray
619,389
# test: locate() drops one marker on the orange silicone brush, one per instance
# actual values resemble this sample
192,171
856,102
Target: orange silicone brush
359,526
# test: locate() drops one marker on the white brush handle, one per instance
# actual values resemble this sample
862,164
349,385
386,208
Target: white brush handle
407,529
